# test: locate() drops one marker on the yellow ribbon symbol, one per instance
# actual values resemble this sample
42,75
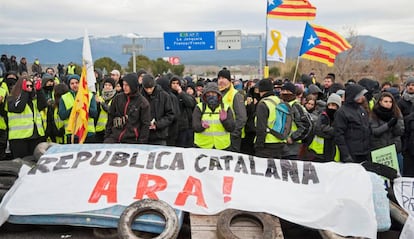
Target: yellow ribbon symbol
276,37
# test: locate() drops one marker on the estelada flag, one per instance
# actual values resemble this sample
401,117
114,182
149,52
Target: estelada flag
291,9
78,119
321,44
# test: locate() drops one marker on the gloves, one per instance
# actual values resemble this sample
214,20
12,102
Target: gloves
223,115
392,122
119,122
38,85
205,124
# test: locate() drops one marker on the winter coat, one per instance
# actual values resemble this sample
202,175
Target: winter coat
136,129
407,111
351,125
161,111
382,135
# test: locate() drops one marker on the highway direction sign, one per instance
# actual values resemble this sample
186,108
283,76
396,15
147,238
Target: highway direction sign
189,41
228,40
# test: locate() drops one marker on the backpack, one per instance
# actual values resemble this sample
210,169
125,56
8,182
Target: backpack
283,122
306,121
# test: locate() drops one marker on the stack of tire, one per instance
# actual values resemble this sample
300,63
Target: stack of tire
9,171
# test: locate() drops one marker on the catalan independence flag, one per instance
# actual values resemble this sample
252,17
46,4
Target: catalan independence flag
321,44
78,119
291,9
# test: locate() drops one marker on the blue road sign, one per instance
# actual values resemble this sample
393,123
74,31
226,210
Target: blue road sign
189,41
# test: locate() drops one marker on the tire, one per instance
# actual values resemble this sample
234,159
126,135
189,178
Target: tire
144,206
41,149
226,217
6,182
10,168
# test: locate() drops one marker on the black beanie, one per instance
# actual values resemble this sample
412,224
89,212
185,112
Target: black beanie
265,85
132,80
109,80
148,81
224,73
289,87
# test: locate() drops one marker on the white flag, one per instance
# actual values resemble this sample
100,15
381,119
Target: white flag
276,43
87,60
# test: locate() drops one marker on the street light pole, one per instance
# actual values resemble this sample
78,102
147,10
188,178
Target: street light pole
134,54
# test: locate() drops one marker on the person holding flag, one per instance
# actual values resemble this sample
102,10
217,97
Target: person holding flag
77,108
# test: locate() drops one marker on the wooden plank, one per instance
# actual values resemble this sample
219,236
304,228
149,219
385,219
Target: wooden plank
204,227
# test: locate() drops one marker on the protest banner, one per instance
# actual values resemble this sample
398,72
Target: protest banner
386,156
404,193
76,178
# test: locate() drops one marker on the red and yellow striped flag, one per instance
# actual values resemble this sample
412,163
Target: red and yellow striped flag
78,119
291,9
321,44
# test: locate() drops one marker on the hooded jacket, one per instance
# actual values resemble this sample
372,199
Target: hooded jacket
351,125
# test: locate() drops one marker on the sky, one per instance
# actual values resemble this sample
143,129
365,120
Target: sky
56,20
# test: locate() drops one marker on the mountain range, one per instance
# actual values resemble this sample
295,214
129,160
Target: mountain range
49,52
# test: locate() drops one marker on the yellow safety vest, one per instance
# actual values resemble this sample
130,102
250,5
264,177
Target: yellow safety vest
317,146
71,70
3,125
216,135
228,99
69,100
102,119
271,106
21,125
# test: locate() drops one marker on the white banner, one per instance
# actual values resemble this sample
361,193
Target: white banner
276,42
404,193
76,178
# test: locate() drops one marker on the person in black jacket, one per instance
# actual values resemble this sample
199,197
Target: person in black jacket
162,114
351,126
406,104
186,104
129,115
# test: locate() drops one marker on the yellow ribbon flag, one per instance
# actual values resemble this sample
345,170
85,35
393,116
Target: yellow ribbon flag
276,43
78,119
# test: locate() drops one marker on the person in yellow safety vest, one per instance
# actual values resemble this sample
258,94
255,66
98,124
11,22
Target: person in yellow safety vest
65,108
71,69
59,131
212,120
3,125
51,72
9,81
235,100
266,144
103,104
323,145
47,114
24,121
298,129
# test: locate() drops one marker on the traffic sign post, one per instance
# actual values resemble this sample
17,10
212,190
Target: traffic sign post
228,40
189,41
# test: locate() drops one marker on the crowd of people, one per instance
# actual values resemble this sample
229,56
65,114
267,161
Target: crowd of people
306,120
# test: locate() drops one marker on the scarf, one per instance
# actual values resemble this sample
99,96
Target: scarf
287,97
408,97
383,114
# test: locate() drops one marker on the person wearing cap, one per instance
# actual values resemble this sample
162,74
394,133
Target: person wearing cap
351,126
186,104
36,67
235,100
48,113
103,102
299,130
51,72
323,146
129,115
115,75
267,145
24,121
9,81
213,120
65,107
162,113
22,66
406,105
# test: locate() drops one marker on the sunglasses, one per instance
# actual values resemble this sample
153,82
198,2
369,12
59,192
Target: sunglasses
29,86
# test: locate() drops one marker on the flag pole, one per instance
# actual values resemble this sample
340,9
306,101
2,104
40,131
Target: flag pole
266,68
296,69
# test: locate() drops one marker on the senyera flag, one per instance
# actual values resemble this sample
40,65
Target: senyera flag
78,119
291,9
321,44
